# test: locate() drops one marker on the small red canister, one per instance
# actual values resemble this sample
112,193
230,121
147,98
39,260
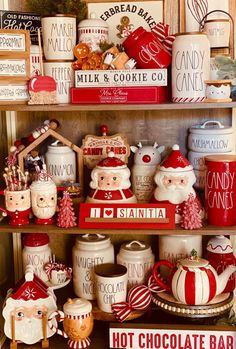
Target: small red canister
146,49
220,189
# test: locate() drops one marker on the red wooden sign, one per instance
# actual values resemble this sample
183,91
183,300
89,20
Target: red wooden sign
125,216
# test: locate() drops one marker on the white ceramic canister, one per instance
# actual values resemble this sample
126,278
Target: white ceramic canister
93,31
175,247
211,137
59,36
190,67
88,251
138,258
63,74
61,163
197,159
37,253
218,32
35,67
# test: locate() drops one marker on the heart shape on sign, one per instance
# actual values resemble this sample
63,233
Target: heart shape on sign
108,212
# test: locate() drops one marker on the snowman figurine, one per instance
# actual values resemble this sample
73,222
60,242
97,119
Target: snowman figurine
110,182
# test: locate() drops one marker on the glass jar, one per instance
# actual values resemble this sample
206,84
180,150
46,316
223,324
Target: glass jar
88,251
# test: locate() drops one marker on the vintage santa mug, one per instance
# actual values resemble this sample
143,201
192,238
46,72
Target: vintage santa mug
18,204
77,322
220,190
44,201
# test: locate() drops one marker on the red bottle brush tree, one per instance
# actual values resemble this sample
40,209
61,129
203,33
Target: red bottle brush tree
66,215
191,217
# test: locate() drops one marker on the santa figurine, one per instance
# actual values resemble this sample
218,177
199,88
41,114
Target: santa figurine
111,182
175,179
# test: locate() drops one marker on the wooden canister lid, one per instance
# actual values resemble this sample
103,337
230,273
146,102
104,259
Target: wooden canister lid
221,158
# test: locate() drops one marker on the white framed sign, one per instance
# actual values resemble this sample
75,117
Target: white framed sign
143,336
124,17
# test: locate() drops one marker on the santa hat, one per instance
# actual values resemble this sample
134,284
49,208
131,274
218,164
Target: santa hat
111,162
176,161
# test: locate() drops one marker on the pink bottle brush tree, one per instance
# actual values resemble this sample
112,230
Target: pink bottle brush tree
66,215
191,217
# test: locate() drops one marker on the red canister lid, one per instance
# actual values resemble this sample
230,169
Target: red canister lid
35,239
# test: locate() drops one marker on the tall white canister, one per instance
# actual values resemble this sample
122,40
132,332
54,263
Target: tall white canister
190,67
89,251
59,36
61,163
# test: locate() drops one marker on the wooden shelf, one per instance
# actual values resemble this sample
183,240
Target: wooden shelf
114,107
50,229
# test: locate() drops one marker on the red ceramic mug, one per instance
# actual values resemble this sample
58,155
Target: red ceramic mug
220,189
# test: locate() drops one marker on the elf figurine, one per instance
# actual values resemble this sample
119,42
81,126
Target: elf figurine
111,182
175,178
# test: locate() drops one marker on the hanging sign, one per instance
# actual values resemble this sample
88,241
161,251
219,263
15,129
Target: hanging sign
96,148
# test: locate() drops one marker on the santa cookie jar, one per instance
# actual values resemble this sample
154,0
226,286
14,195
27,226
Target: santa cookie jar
111,182
175,178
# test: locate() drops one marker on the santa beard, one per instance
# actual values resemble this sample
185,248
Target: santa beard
28,331
175,193
175,196
44,212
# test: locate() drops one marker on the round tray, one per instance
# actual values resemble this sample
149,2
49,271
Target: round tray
218,306
102,316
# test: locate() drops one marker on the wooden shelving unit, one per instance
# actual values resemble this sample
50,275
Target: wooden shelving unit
114,107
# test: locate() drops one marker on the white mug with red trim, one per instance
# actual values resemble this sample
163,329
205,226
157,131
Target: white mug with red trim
77,321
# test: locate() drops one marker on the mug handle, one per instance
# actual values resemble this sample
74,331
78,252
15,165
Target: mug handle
59,316
156,274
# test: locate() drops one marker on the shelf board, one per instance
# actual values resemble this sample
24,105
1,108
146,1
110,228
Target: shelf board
50,229
114,107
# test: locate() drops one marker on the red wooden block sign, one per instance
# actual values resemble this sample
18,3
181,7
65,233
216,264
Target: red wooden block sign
125,216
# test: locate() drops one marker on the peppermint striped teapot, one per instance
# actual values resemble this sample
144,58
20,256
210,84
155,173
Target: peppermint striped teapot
193,281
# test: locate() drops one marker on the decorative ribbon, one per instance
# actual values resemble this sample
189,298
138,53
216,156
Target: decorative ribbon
162,30
138,298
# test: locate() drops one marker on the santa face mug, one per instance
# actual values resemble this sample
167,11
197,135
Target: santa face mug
44,201
18,205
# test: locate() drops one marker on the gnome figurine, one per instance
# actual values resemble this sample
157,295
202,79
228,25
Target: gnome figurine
175,179
111,182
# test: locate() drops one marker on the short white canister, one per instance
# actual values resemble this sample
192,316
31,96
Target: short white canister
190,67
59,36
37,253
138,258
211,137
93,31
63,74
88,251
61,163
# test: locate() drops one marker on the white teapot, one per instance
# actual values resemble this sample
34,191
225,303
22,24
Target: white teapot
194,281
